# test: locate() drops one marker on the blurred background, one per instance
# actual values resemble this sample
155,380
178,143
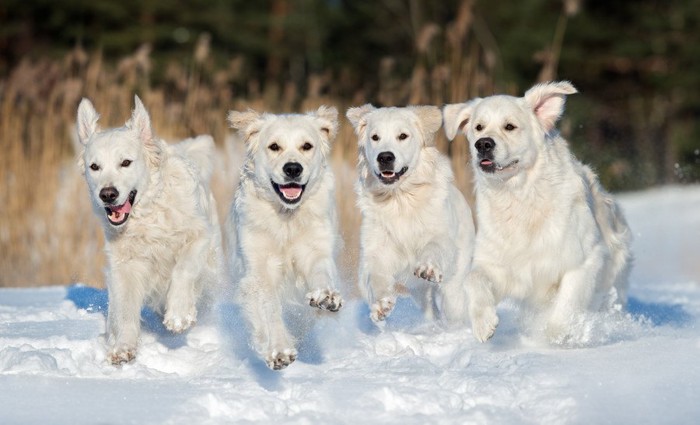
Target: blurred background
636,64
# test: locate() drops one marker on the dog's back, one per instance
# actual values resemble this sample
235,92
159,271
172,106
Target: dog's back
198,151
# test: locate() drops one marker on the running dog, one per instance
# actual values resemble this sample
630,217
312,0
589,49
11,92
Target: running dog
548,233
163,242
282,227
417,232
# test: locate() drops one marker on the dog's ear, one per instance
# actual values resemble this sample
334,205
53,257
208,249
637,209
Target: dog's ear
430,120
547,101
357,118
327,117
246,123
140,122
86,121
456,116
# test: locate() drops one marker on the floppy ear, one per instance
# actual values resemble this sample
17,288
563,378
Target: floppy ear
547,101
246,123
430,120
86,121
140,122
457,116
327,116
357,118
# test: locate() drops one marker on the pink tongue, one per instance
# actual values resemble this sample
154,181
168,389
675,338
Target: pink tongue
291,192
486,162
123,209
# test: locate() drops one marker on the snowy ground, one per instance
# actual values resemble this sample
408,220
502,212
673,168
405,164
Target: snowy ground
637,367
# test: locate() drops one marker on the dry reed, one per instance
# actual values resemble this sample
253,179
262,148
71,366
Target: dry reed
48,234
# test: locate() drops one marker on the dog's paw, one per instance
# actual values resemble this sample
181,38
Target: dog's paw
278,360
382,309
325,299
429,272
121,355
178,324
484,324
558,333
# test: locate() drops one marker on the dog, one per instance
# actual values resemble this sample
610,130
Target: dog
163,241
417,231
548,233
282,226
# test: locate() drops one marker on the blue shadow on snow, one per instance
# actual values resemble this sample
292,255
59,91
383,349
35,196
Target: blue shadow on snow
659,314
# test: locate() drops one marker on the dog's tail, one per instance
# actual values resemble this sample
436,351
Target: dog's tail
199,151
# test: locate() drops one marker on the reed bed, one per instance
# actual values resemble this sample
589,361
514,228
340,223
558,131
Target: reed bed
48,233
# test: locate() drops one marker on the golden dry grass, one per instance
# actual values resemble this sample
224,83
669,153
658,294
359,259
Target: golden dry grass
48,234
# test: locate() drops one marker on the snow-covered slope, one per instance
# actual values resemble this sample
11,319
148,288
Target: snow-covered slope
638,367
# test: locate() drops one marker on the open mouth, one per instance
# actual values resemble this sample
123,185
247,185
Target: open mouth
118,214
290,192
391,177
489,166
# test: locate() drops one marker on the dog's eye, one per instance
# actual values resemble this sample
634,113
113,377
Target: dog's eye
94,167
375,137
307,146
126,163
479,127
274,147
510,127
403,136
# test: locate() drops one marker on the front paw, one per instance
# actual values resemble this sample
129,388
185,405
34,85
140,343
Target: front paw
429,272
382,308
325,299
179,323
279,359
121,355
484,323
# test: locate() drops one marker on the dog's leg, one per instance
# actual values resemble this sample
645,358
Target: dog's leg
482,304
185,288
126,297
576,290
431,263
262,306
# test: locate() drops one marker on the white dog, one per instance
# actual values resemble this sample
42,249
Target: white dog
163,241
284,224
548,233
417,231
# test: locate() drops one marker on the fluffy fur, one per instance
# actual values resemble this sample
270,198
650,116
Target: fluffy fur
282,226
159,218
417,231
548,233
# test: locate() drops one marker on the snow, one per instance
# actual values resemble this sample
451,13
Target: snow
640,366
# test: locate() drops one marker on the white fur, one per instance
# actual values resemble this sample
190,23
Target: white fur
169,249
548,233
416,232
283,254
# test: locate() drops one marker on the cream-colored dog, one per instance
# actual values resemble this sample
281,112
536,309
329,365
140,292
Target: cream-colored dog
548,233
417,230
159,218
282,226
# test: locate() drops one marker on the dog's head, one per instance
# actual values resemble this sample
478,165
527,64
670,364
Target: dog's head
116,162
391,139
506,133
286,154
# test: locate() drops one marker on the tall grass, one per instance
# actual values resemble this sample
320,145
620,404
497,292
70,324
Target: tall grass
48,234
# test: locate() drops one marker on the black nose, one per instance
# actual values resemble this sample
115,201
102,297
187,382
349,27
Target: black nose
484,145
385,158
292,169
109,194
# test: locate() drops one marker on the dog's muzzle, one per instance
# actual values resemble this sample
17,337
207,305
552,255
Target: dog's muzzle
117,214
